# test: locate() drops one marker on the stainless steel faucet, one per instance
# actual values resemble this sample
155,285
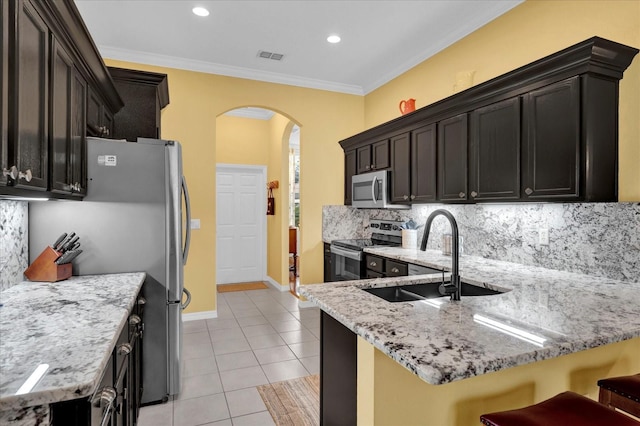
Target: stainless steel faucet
453,287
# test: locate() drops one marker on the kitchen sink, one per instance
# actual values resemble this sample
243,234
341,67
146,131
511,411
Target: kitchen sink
408,293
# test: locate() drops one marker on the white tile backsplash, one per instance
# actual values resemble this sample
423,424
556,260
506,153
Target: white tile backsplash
601,239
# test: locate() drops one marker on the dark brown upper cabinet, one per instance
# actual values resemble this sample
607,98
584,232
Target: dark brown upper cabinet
4,97
28,101
452,159
552,151
48,67
373,157
494,152
350,169
68,112
547,131
99,116
144,94
416,183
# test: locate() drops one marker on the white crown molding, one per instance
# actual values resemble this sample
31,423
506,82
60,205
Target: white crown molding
226,70
251,112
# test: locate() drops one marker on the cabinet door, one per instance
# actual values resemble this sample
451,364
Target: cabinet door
400,185
4,87
552,154
61,98
452,159
327,262
107,122
494,164
29,130
380,155
423,164
94,113
350,168
364,159
78,145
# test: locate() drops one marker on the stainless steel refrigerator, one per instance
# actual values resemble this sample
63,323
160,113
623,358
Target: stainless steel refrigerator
132,220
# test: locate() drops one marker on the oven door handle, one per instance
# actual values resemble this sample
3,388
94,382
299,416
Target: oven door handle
350,254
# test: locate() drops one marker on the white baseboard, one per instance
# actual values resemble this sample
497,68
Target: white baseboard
275,284
305,304
200,316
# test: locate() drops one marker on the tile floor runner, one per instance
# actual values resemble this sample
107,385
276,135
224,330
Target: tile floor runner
293,402
226,288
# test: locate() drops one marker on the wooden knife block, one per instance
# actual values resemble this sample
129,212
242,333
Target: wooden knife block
44,268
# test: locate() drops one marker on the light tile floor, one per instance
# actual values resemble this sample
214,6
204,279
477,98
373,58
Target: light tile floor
259,337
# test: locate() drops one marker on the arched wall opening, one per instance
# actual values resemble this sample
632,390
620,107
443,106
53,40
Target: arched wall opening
258,136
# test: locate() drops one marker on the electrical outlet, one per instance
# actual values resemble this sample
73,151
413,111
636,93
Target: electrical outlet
195,224
543,236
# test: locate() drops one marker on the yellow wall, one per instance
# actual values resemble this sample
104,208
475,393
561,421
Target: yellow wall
528,32
196,99
277,225
394,396
242,140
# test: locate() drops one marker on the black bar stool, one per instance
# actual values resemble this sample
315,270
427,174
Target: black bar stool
565,409
622,393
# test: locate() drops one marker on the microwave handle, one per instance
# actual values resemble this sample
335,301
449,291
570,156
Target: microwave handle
373,190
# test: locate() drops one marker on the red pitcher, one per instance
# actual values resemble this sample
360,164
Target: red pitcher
407,106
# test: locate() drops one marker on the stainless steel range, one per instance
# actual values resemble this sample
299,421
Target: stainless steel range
347,257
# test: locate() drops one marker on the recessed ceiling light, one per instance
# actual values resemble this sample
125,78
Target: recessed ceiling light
200,11
333,39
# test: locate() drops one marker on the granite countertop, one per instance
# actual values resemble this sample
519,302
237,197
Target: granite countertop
70,325
442,341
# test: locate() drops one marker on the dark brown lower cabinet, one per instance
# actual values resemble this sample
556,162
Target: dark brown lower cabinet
338,373
116,400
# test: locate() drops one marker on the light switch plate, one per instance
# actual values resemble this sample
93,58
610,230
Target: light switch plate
195,223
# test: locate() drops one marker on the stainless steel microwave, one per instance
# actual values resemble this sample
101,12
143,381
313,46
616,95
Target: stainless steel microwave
371,191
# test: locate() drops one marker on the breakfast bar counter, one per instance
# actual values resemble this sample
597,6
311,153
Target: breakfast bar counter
541,315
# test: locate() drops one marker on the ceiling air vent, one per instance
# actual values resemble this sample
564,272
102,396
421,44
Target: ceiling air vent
270,55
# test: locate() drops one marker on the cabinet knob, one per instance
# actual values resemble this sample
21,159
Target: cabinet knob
413,197
104,397
26,175
528,191
134,320
124,349
374,264
406,197
11,172
142,301
76,187
461,195
373,166
395,270
474,194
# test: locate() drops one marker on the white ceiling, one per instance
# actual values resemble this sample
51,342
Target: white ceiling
380,39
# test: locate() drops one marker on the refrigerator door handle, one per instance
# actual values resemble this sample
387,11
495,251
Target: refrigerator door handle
186,303
187,203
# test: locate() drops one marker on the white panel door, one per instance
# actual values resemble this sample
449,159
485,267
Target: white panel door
240,230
